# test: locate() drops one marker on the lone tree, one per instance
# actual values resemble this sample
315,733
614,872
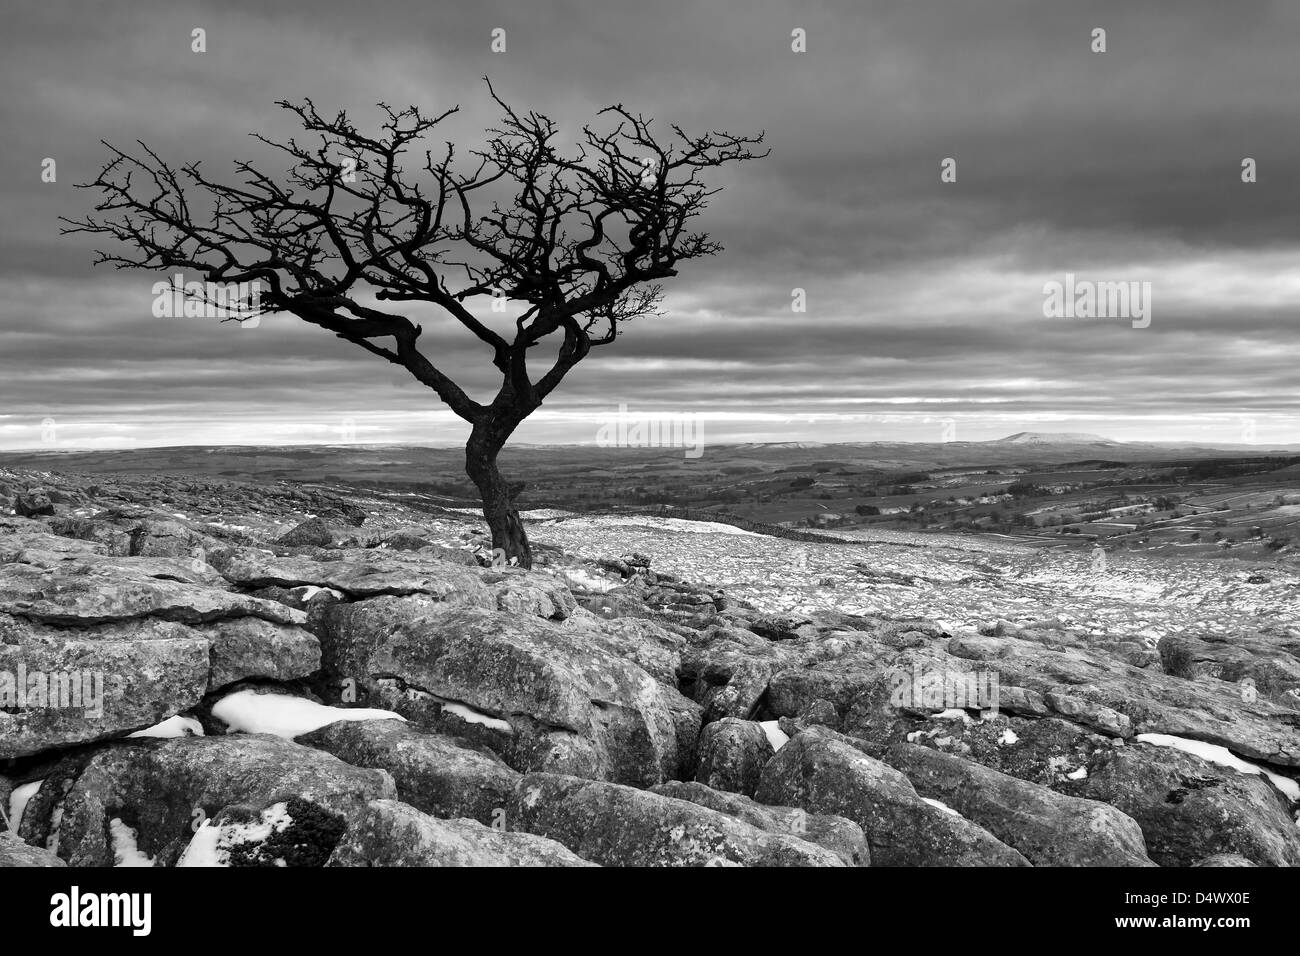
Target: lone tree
577,239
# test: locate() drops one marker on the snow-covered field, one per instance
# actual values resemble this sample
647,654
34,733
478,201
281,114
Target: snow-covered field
654,523
944,580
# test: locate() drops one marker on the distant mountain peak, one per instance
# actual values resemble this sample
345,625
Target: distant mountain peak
1055,438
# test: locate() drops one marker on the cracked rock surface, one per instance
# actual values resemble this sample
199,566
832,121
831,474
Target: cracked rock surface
647,694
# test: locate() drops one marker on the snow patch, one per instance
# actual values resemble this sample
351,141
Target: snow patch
953,713
777,737
176,726
472,716
466,712
18,802
939,805
228,527
660,524
1224,758
1008,736
126,852
285,716
306,592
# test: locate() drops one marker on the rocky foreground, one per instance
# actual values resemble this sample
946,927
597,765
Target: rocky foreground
204,673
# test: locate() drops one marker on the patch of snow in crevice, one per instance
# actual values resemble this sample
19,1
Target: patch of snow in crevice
126,852
18,800
953,713
1224,758
472,716
176,726
1008,736
466,712
202,850
283,715
939,805
305,592
777,737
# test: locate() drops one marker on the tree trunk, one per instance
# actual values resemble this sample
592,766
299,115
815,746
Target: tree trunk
509,540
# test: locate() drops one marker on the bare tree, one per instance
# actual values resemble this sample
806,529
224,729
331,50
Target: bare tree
578,240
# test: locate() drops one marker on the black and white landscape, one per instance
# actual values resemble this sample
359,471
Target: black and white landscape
621,434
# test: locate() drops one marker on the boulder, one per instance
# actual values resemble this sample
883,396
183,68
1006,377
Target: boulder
732,688
36,545
66,686
654,649
390,833
842,837
732,754
1116,698
793,690
163,790
33,504
84,593
1049,828
312,533
1189,808
1273,667
405,541
822,773
167,537
14,852
778,627
443,776
525,593
358,575
116,541
615,825
555,699
251,647
418,540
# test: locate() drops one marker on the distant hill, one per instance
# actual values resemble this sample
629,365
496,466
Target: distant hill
441,470
1055,438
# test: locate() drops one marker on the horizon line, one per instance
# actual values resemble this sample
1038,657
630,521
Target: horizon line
1009,440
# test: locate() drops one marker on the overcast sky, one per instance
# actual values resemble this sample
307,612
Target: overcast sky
925,301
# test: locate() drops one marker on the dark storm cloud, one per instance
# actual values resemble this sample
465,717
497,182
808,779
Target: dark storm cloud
924,299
